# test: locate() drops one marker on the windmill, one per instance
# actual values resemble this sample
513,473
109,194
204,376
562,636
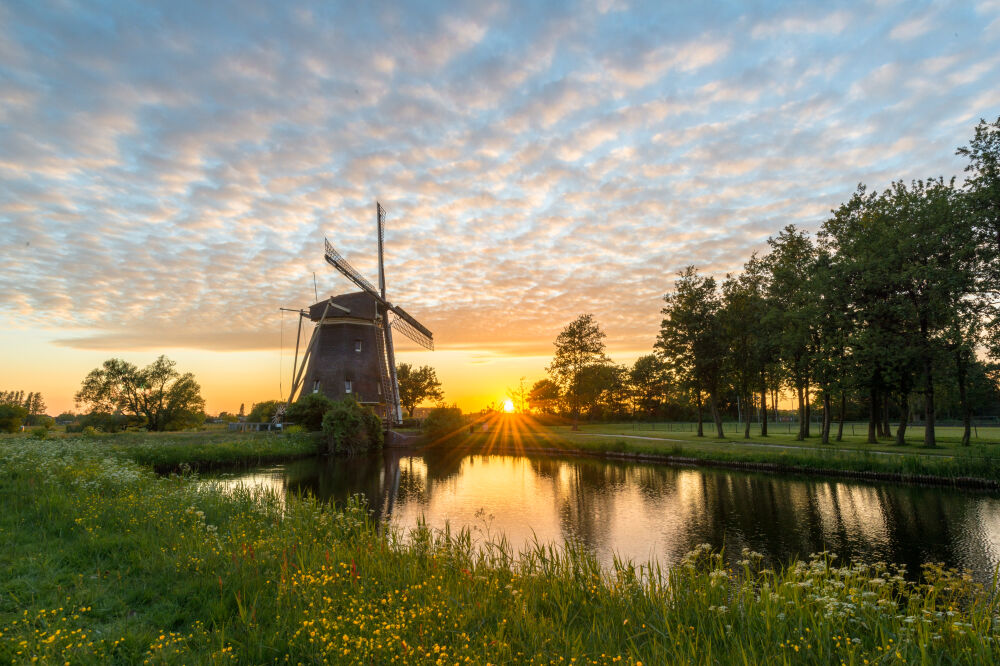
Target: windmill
350,351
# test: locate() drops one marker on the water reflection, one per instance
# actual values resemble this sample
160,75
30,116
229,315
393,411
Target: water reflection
649,511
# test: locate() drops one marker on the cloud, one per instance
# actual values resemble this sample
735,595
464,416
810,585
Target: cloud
168,172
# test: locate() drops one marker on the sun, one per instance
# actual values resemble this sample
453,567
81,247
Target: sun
508,406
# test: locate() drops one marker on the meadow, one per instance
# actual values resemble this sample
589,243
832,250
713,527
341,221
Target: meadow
110,562
948,463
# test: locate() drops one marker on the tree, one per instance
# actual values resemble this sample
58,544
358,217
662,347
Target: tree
544,397
519,396
793,312
351,428
12,417
443,424
648,382
165,398
417,385
263,412
579,345
690,340
308,411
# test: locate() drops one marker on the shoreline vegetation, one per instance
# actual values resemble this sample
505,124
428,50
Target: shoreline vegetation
950,463
110,562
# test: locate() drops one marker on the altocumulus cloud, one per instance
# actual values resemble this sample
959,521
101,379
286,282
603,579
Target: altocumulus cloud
169,170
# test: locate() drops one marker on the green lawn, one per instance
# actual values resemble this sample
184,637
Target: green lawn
778,451
105,561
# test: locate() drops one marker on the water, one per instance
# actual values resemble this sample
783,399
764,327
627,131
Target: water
642,511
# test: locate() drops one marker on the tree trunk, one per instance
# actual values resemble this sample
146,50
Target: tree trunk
825,430
873,417
746,424
930,441
774,403
701,428
843,412
802,411
715,415
879,430
963,371
763,411
806,412
886,430
904,413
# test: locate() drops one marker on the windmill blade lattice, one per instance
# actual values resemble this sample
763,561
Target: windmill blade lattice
407,329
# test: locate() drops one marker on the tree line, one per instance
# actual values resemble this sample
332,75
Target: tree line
18,408
891,308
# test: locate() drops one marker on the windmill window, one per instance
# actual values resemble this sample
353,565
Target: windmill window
357,345
379,387
348,385
316,386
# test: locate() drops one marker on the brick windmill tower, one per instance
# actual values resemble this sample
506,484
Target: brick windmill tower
350,351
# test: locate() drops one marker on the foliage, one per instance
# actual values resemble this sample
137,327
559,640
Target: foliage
443,423
190,573
40,432
351,428
690,340
308,411
32,404
263,412
104,422
165,398
12,417
544,396
417,385
579,345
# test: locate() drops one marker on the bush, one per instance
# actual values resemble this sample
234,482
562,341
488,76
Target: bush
308,411
11,417
105,422
444,423
351,428
262,412
41,432
90,431
294,430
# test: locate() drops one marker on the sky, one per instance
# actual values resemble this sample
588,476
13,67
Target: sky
168,171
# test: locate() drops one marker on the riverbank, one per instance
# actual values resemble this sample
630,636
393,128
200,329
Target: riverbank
203,451
971,467
112,563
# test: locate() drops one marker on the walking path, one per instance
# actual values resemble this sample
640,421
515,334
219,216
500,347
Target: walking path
761,444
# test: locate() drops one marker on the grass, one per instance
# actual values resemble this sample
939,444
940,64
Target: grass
108,562
978,464
194,450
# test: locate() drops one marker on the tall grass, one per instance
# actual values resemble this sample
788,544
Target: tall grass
110,563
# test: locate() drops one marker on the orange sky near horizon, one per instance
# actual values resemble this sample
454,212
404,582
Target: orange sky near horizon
471,378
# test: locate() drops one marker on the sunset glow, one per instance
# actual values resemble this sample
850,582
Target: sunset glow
508,406
168,180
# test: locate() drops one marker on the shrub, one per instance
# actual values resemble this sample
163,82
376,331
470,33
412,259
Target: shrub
41,432
11,417
308,411
262,412
351,428
444,423
109,422
294,430
90,431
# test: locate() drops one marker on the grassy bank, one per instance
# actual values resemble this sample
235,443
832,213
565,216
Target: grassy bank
974,465
109,562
